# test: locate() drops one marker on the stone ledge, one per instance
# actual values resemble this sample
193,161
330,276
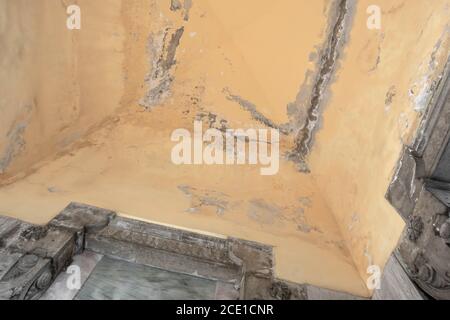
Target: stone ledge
32,256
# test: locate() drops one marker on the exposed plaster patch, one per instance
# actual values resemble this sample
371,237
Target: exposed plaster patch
354,221
15,147
267,213
329,57
162,47
176,5
421,91
206,198
263,212
301,220
187,9
297,110
403,126
254,112
390,95
305,202
306,228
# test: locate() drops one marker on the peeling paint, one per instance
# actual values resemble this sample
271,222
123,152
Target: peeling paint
205,198
328,61
254,112
162,48
421,91
267,213
176,5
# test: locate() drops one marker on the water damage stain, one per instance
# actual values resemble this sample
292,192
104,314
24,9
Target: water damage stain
339,27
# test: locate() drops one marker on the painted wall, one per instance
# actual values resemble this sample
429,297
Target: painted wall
51,78
381,89
87,116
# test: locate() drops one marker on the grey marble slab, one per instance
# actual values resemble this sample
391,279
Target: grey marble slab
59,290
226,291
395,284
120,280
316,293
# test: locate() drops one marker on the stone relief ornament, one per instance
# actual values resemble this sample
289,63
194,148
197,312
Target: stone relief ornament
415,228
441,225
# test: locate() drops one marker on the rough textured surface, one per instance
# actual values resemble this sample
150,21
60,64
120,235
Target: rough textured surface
396,284
331,52
73,126
34,258
423,249
365,127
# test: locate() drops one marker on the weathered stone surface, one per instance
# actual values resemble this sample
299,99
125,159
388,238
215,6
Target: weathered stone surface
34,255
80,217
165,238
56,244
28,278
254,257
10,230
7,261
396,285
423,250
31,256
258,287
138,253
405,188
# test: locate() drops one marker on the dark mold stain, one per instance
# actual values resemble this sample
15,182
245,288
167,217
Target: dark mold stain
328,60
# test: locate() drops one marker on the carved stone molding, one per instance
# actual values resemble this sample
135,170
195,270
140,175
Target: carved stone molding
420,191
415,228
441,225
32,256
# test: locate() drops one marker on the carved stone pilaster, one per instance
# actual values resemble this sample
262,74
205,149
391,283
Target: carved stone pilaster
420,191
441,225
32,256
